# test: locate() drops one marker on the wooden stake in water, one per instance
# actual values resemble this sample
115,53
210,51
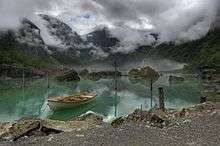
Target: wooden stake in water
62,82
48,82
48,85
23,83
116,88
23,78
151,93
161,99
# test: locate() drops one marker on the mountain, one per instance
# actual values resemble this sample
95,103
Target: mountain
63,32
216,23
102,38
72,49
24,46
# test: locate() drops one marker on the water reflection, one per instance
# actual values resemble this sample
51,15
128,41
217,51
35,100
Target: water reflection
30,101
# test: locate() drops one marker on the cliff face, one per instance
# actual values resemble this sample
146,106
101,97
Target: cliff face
60,30
23,46
29,34
102,38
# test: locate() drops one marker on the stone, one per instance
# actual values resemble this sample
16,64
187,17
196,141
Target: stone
204,106
4,128
91,118
156,119
20,129
118,122
137,116
95,76
182,113
84,73
146,72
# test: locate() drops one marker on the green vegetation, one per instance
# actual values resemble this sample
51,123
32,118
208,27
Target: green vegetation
22,59
12,52
198,54
213,96
210,51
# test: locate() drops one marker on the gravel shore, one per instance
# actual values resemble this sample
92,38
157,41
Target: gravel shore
200,129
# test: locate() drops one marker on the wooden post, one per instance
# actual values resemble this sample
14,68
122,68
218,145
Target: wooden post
23,78
48,82
161,99
116,88
203,99
151,93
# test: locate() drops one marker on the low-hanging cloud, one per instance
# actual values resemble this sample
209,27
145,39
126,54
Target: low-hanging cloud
173,19
11,11
132,21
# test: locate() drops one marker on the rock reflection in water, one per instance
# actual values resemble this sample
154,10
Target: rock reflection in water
16,103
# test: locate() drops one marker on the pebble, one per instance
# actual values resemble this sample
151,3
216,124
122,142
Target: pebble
50,139
187,121
80,135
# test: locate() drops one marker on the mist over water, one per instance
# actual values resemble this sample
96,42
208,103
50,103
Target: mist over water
158,65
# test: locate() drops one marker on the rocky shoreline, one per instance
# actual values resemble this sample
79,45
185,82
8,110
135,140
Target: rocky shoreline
38,132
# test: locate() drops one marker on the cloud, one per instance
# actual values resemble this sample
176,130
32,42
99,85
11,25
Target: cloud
129,20
133,20
11,11
173,19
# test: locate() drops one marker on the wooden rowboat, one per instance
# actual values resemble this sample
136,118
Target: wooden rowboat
67,102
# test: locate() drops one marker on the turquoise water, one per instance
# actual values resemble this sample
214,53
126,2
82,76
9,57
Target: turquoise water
18,102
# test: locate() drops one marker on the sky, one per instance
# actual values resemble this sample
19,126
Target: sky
131,21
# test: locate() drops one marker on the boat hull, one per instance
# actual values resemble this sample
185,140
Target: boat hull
58,105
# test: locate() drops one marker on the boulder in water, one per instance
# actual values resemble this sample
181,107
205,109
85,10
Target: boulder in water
95,76
146,72
69,76
84,73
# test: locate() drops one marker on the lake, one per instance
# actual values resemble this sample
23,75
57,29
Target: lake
31,101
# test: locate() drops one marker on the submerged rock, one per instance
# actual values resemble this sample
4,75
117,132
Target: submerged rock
69,76
143,76
175,79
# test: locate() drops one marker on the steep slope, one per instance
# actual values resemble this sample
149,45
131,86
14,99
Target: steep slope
72,49
102,38
24,46
209,54
202,52
63,32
